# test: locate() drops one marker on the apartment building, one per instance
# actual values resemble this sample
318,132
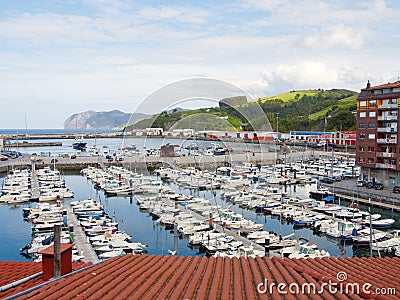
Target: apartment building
378,152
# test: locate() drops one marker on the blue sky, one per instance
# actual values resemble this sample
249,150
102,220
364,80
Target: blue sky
62,57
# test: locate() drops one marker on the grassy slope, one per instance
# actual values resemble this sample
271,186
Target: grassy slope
342,103
290,96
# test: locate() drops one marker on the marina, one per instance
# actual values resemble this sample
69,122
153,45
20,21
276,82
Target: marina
127,209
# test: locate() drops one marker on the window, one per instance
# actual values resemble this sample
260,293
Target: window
394,101
372,102
371,125
370,160
386,91
361,125
361,159
363,114
362,135
377,91
362,148
371,149
363,103
372,114
371,136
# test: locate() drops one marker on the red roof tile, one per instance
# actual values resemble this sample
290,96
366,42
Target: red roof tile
158,277
12,271
387,85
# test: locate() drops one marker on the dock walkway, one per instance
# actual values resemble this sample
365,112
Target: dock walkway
34,187
80,240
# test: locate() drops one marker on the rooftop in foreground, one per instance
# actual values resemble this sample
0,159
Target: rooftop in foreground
163,277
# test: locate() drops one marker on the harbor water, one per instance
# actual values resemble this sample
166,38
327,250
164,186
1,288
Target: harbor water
15,232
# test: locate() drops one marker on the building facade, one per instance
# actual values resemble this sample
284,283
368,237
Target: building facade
378,151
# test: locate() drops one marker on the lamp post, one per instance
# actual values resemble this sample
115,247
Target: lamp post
277,125
26,126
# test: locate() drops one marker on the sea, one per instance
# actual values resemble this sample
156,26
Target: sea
15,233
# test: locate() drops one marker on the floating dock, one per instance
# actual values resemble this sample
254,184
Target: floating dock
80,240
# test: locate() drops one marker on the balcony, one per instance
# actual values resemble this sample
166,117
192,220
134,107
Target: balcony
387,118
388,106
385,154
386,141
387,129
385,166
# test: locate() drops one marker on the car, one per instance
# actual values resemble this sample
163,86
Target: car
378,186
3,158
396,189
54,160
110,159
73,156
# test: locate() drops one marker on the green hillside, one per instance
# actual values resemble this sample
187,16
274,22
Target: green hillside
295,110
290,96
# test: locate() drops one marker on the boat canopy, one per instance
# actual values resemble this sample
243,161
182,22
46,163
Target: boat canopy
329,198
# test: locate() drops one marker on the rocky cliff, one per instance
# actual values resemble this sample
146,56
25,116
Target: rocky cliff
90,119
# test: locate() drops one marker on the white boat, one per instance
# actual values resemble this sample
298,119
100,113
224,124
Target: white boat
387,244
309,250
383,224
15,197
111,254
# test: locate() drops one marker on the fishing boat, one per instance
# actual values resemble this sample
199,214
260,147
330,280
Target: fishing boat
79,144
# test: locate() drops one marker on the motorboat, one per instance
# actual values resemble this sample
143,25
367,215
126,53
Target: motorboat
309,250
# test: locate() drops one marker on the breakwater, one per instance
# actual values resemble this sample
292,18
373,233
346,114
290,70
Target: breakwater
37,144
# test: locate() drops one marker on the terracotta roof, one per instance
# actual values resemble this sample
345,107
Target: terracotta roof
387,85
12,271
161,277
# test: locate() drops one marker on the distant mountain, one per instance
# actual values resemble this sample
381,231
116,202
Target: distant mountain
90,119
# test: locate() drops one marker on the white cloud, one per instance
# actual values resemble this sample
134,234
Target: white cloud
305,75
338,36
103,54
180,14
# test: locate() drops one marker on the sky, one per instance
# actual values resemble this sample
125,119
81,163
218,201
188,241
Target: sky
59,57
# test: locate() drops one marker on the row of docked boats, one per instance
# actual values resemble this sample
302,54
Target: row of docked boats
43,217
18,186
191,217
102,230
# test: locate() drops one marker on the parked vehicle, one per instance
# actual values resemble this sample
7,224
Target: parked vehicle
378,186
327,180
369,185
396,189
360,183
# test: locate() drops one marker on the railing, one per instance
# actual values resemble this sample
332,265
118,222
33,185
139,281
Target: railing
387,118
386,154
385,166
386,141
388,106
387,129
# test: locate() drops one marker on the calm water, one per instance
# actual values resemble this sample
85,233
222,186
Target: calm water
15,233
114,145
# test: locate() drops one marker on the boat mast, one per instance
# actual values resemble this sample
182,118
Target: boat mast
370,228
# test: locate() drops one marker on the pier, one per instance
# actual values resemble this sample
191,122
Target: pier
80,239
